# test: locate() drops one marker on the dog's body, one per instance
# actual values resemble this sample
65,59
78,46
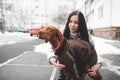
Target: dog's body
77,55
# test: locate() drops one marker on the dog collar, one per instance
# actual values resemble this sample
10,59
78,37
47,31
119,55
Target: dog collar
58,46
59,49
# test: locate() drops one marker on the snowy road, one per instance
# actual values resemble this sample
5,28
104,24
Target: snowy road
108,52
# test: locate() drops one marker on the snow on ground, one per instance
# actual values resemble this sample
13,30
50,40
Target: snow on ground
101,45
11,38
8,38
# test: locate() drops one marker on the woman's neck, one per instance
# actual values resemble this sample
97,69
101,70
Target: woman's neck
74,35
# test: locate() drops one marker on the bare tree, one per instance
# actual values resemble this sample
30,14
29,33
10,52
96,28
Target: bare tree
62,14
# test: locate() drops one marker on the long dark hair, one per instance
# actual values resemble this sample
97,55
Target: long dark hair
82,27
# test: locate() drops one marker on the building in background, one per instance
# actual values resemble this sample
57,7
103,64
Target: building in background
13,14
102,17
21,15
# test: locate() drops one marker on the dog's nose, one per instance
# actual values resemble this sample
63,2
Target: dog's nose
39,30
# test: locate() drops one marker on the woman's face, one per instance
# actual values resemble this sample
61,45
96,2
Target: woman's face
73,24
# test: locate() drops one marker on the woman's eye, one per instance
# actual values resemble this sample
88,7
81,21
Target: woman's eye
76,22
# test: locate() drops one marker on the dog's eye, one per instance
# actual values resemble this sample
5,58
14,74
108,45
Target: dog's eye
41,26
49,29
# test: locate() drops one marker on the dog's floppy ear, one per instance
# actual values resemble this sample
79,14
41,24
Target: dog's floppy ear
58,34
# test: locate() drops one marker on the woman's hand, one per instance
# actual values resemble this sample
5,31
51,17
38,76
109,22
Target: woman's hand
53,61
94,69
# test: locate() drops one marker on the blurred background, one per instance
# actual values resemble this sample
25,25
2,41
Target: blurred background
24,57
102,16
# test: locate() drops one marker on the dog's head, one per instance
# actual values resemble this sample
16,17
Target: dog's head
50,33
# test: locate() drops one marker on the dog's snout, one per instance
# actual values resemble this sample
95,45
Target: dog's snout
40,30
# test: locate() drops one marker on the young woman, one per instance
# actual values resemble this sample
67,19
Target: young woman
76,28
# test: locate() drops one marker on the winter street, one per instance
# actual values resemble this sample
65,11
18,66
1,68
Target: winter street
24,56
109,53
32,62
19,61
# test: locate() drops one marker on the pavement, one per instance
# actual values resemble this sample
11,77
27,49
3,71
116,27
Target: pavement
34,66
111,71
29,66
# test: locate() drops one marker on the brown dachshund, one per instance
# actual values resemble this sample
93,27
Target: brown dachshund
77,55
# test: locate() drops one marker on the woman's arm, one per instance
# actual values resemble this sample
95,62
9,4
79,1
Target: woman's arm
52,58
94,70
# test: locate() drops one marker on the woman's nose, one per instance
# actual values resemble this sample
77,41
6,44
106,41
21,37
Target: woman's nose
72,24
